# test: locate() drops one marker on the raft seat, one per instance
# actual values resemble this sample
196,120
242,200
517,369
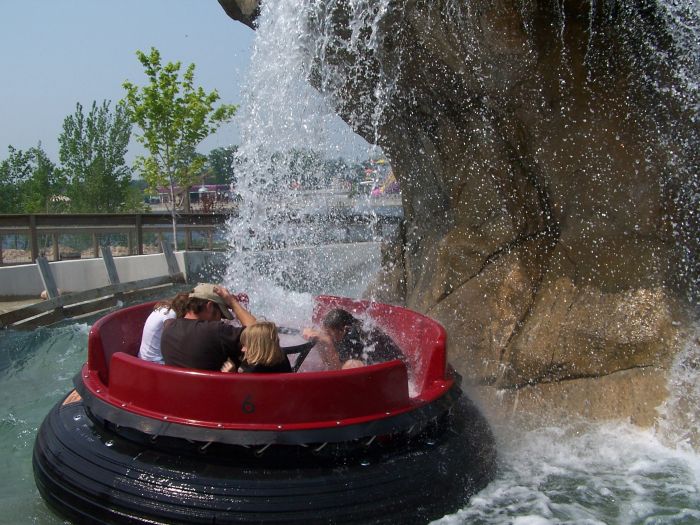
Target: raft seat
206,398
238,400
118,332
214,399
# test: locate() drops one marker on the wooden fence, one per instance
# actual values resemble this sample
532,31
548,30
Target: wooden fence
133,226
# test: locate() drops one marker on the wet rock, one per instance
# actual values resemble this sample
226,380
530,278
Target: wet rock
481,315
245,11
545,158
631,394
584,332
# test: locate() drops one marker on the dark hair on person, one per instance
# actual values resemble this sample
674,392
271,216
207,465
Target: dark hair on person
195,305
337,319
177,304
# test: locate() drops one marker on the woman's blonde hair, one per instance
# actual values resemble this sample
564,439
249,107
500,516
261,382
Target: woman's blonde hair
262,344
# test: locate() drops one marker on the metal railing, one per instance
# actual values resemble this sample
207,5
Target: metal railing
59,306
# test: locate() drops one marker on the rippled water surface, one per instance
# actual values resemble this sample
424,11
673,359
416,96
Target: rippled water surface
36,369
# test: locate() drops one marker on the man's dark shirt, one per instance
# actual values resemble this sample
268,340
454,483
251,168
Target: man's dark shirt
205,345
370,347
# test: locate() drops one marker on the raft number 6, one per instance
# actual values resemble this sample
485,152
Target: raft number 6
248,407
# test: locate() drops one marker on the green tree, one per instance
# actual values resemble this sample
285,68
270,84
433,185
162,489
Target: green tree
15,170
220,165
44,191
92,151
174,117
30,183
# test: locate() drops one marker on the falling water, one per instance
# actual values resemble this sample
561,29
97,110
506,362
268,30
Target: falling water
281,116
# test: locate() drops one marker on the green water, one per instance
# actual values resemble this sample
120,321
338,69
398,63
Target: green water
36,370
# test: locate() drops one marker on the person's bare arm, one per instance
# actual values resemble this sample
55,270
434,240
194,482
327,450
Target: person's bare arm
243,315
324,346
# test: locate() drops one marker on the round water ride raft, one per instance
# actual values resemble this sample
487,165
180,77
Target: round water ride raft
138,442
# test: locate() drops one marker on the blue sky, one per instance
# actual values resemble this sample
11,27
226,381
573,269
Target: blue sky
59,52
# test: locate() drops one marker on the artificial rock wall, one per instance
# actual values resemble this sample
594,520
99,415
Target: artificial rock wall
543,167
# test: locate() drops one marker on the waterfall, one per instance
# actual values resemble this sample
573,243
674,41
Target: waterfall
679,422
287,125
668,34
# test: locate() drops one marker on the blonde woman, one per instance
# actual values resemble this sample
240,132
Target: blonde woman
261,350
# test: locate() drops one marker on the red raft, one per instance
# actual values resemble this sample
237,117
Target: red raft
139,442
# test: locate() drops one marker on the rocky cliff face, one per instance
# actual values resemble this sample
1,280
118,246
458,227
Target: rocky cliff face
545,154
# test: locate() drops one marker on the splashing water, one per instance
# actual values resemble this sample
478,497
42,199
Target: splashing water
679,423
587,474
593,473
285,122
581,472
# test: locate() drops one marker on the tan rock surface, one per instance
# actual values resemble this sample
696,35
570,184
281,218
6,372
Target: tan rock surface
633,394
583,332
544,163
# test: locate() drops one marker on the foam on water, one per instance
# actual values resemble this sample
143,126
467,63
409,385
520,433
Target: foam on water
588,473
679,420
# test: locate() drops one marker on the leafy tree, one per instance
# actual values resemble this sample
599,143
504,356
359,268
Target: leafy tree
14,172
135,196
220,164
92,151
139,185
30,183
44,191
174,117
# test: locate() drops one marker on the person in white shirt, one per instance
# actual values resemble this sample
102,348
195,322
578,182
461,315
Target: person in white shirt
153,329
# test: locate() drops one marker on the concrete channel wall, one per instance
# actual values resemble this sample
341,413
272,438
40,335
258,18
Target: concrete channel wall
336,268
23,281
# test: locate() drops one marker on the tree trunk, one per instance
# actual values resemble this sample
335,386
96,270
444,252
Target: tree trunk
172,214
187,205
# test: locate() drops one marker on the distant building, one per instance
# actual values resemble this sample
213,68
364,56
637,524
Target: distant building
204,196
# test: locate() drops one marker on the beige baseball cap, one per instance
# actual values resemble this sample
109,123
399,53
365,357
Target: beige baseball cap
206,291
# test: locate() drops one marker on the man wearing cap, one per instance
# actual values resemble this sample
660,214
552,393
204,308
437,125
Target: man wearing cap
200,339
